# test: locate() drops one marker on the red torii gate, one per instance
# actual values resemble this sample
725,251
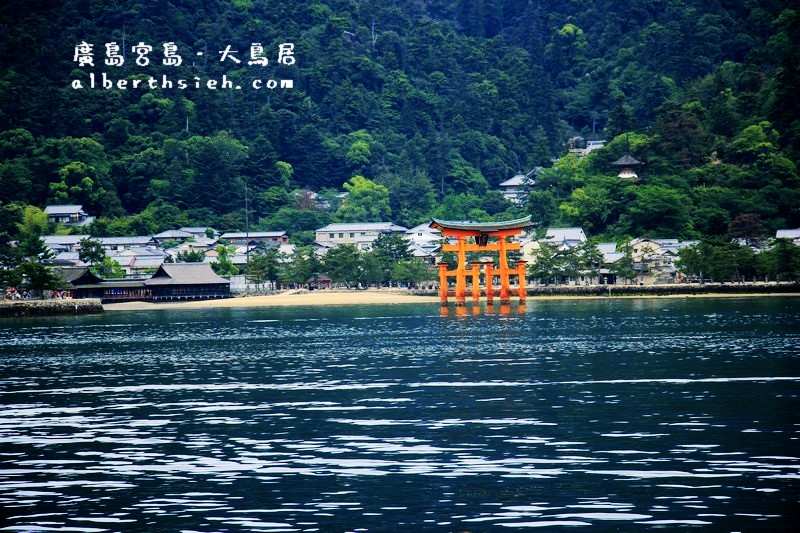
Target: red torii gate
479,233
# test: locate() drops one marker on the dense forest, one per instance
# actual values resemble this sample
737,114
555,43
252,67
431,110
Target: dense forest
416,108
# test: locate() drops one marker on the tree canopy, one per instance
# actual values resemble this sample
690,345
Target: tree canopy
412,108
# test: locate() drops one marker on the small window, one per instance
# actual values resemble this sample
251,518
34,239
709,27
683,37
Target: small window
352,235
331,235
341,235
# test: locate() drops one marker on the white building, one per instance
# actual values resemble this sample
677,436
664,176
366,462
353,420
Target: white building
517,189
124,243
565,236
200,231
361,234
791,234
138,260
254,237
64,243
424,241
176,235
69,215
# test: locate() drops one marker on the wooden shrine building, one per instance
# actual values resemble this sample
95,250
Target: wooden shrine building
483,238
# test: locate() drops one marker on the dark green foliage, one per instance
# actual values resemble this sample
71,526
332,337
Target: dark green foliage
343,263
10,259
781,262
39,278
412,272
264,267
190,256
721,260
435,102
91,251
33,248
392,248
224,264
108,269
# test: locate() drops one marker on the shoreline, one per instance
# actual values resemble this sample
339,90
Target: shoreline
45,308
384,297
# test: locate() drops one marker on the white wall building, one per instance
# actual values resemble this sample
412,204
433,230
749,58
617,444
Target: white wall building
362,234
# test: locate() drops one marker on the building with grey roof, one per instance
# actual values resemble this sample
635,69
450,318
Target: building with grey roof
68,215
361,234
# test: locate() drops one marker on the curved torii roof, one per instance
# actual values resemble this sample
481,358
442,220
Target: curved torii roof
481,227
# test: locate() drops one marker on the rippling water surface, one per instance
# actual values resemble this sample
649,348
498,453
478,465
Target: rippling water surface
623,415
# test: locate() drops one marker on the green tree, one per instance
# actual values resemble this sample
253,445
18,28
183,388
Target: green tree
295,220
372,268
16,181
544,266
303,267
391,247
411,196
412,272
190,256
781,262
91,252
543,207
590,259
659,211
366,201
34,221
343,264
283,172
157,216
33,248
271,200
623,267
695,260
108,269
591,207
10,260
224,264
264,267
37,277
755,142
216,166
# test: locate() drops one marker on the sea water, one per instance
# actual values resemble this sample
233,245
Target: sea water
601,415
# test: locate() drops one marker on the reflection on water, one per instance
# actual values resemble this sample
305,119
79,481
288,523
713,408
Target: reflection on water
609,415
485,309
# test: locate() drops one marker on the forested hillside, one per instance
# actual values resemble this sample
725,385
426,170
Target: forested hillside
416,107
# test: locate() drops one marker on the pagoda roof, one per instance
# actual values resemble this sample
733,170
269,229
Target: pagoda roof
626,160
482,227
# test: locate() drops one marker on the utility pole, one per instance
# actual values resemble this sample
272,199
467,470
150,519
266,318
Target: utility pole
246,229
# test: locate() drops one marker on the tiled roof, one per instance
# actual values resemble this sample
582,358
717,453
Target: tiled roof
63,209
524,222
364,226
251,234
185,274
565,234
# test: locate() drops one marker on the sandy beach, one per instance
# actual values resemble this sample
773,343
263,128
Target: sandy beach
285,299
367,297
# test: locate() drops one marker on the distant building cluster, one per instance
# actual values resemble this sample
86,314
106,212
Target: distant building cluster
652,261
